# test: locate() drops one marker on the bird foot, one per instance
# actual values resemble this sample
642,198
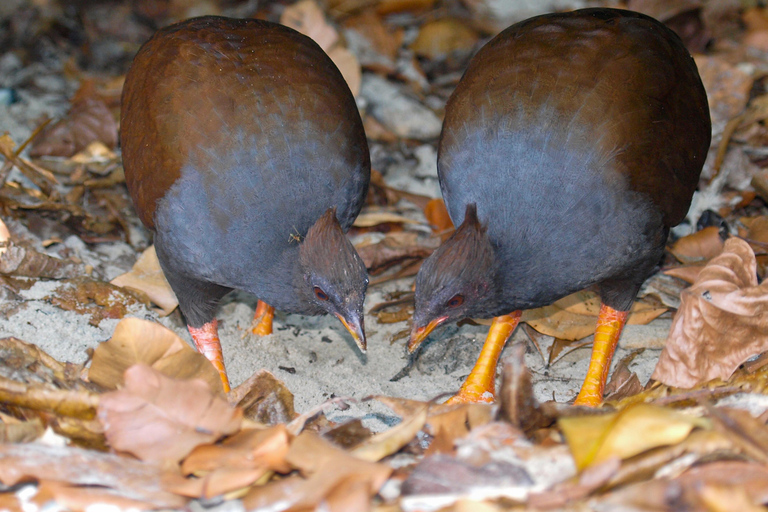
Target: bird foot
262,319
206,340
471,395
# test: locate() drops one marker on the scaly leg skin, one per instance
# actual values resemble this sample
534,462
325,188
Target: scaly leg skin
610,322
206,340
480,386
262,319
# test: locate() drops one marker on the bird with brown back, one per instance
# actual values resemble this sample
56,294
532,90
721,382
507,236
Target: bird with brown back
245,154
570,147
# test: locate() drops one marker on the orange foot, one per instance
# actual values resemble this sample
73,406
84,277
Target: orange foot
610,322
262,319
480,386
206,340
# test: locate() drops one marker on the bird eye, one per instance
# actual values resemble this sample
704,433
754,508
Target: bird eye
456,301
320,294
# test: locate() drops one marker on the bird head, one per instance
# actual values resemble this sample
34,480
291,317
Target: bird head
456,281
335,278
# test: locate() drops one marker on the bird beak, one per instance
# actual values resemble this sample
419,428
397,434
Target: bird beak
419,334
355,328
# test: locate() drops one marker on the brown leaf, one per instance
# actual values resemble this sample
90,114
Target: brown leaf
161,419
138,341
17,431
698,247
327,470
394,249
125,477
745,431
349,67
390,441
574,317
237,462
687,273
437,216
384,40
264,398
519,406
385,7
88,120
623,383
27,262
437,39
89,296
308,18
722,321
147,277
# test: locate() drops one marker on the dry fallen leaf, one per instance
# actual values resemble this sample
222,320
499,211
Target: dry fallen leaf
437,39
140,341
391,440
437,216
631,431
124,478
147,277
264,398
332,478
574,317
99,299
698,247
722,321
307,17
161,419
88,120
239,461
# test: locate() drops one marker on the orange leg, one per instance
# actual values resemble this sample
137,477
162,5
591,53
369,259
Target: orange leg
206,340
609,326
262,319
481,384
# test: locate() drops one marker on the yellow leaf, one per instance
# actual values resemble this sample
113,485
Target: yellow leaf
634,430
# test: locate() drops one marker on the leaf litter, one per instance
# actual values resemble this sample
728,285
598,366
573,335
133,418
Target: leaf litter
145,426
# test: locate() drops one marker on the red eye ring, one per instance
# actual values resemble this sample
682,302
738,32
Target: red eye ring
320,294
456,301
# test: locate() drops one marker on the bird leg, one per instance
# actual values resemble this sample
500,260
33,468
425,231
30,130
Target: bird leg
610,322
262,319
206,340
480,386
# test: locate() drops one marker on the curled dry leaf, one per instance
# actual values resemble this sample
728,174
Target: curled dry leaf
722,321
122,477
264,398
27,262
631,431
161,419
138,341
518,403
332,477
147,277
698,247
88,120
239,461
391,440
